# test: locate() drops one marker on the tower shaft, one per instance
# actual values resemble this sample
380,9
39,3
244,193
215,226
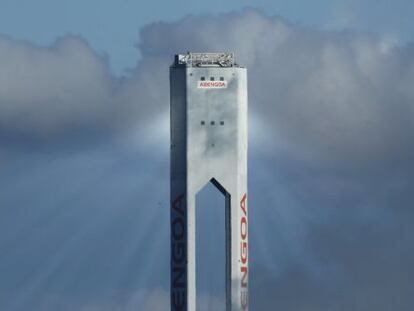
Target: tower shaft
208,111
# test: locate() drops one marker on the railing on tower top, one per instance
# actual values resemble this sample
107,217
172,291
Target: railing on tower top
205,59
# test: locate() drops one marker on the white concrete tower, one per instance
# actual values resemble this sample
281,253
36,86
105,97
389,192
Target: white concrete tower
208,94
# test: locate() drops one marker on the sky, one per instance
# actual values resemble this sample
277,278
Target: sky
84,140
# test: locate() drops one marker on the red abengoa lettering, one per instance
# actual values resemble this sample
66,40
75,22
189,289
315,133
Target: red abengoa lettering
178,254
244,276
212,84
244,254
177,205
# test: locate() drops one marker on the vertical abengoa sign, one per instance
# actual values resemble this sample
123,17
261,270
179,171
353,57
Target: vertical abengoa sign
178,254
244,261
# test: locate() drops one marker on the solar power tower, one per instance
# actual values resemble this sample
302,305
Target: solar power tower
208,98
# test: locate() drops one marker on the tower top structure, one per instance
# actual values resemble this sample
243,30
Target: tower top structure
205,60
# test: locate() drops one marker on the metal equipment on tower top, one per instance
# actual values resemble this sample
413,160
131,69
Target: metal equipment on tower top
205,60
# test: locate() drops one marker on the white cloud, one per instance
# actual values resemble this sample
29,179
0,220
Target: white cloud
43,90
337,97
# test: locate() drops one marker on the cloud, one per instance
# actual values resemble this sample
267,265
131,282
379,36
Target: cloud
45,90
65,92
339,97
